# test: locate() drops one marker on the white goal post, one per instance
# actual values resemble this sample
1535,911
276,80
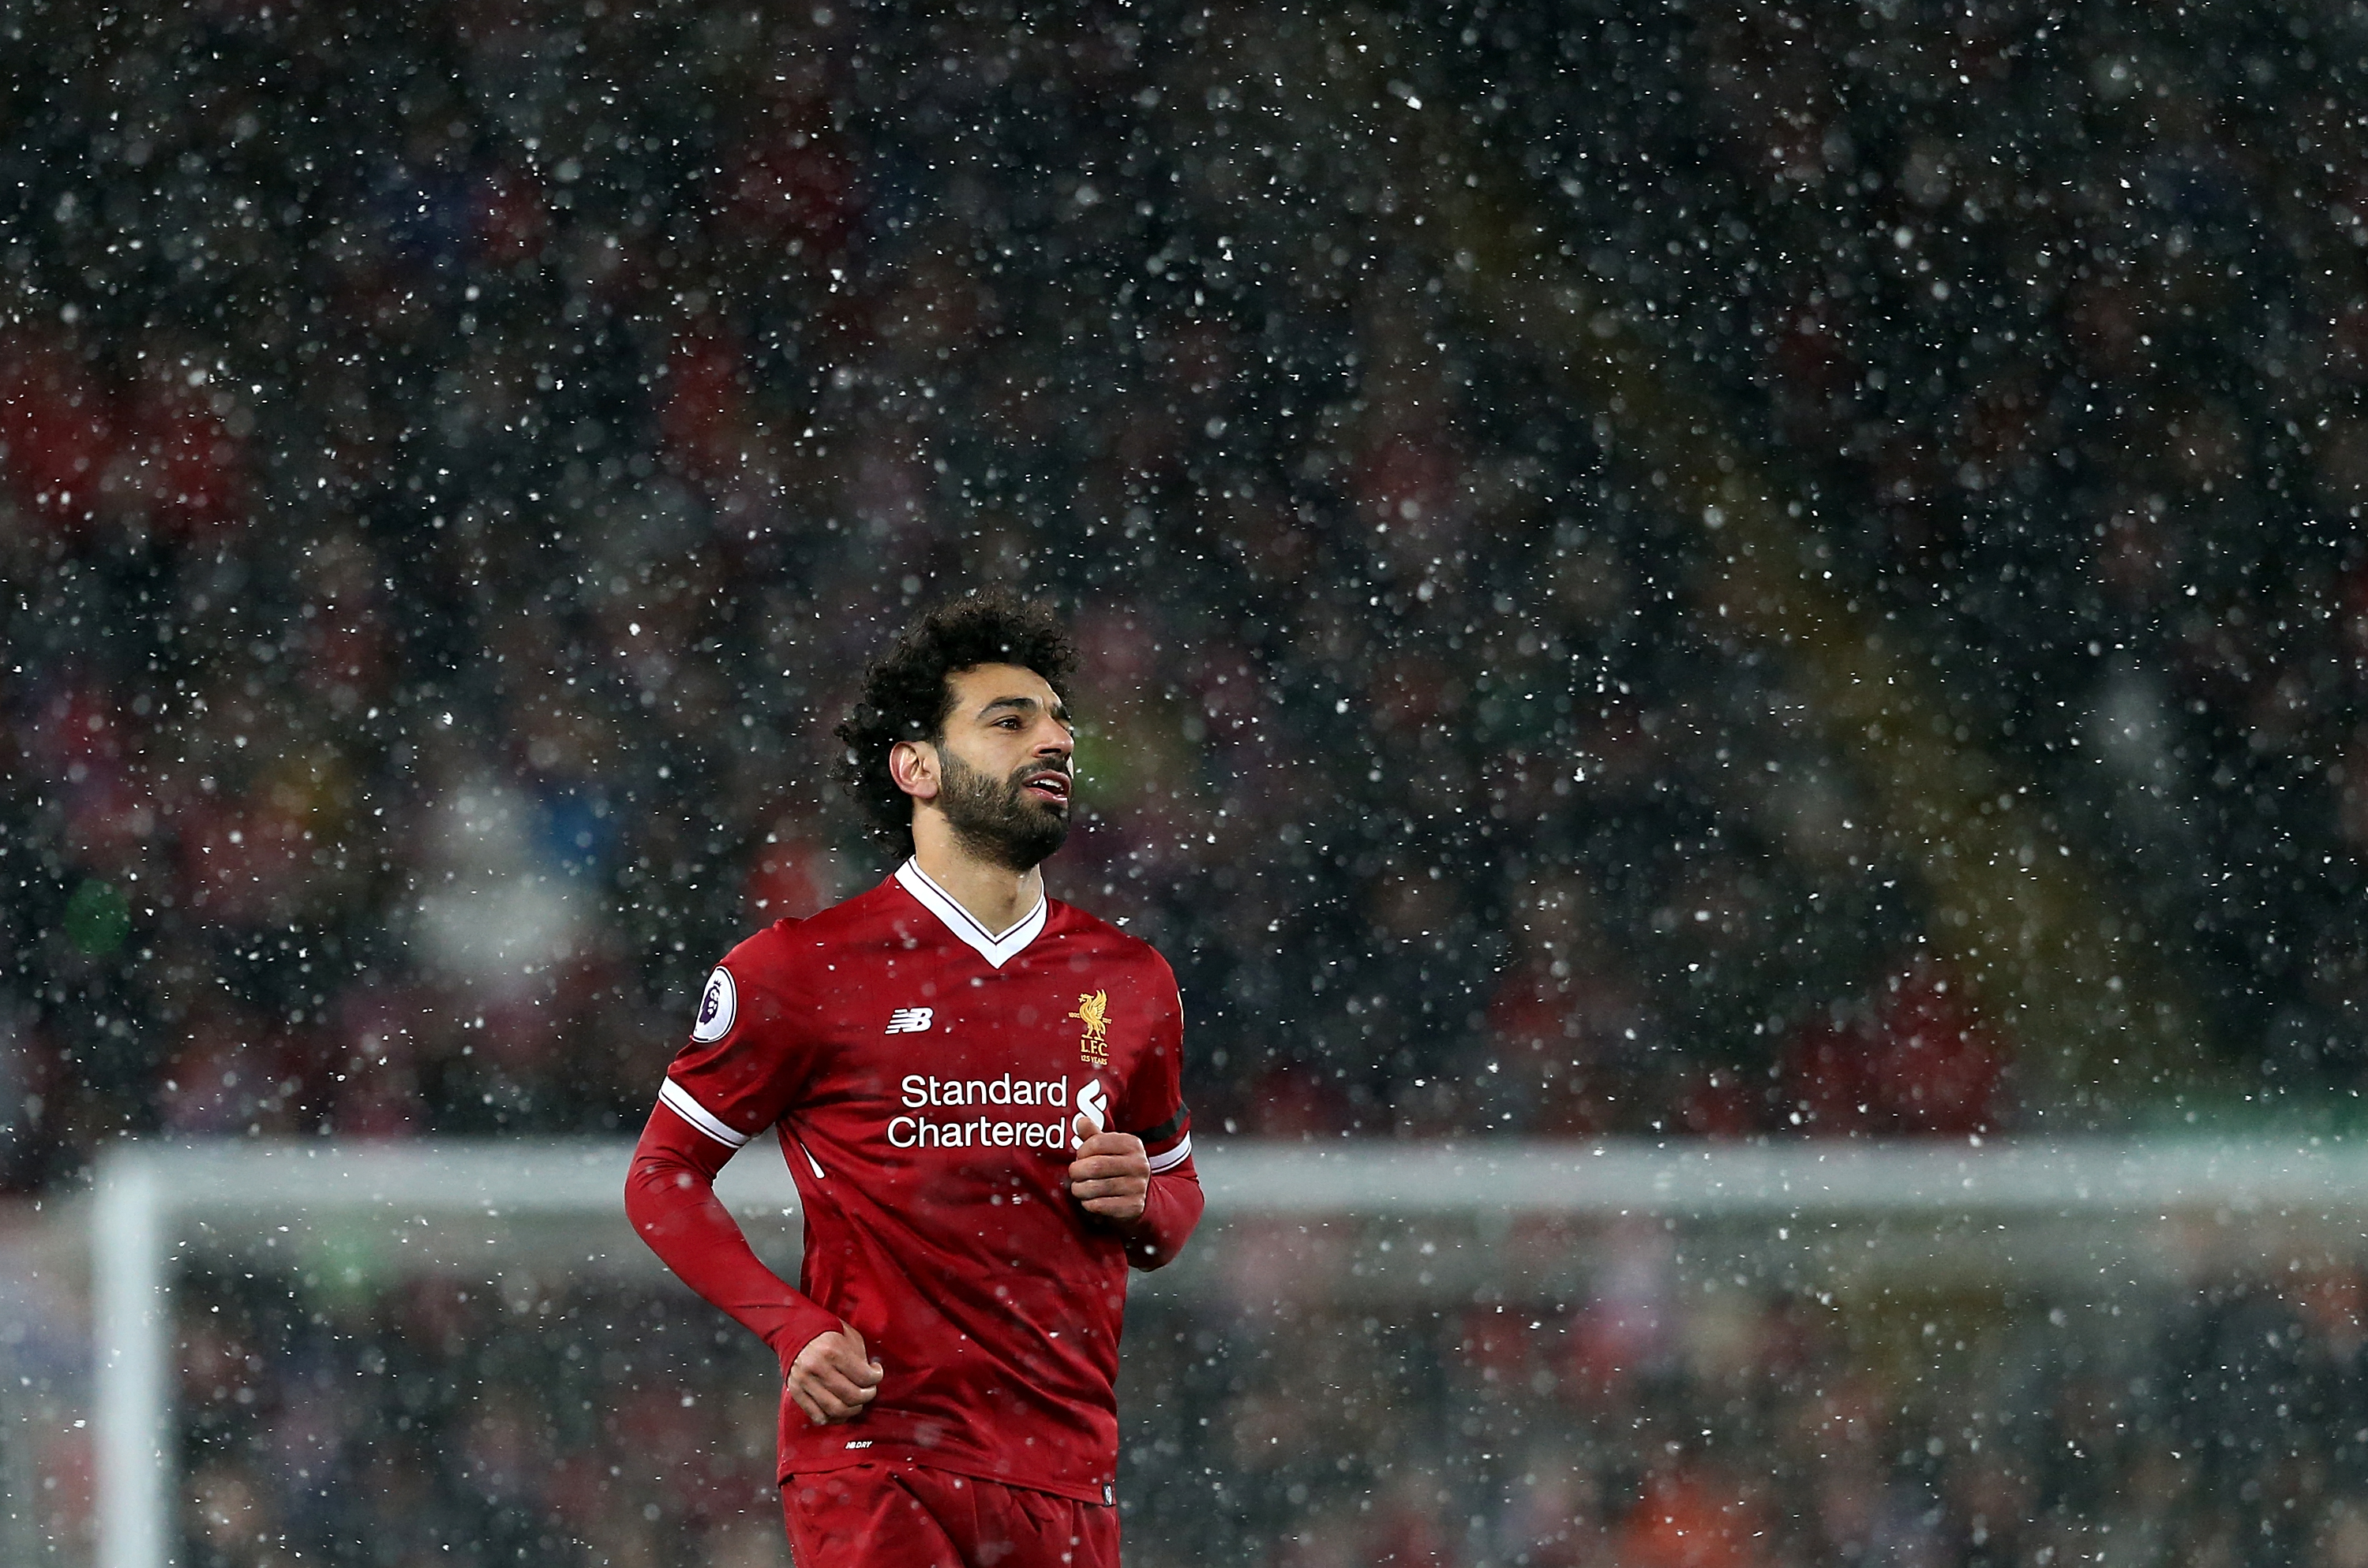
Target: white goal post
2140,1211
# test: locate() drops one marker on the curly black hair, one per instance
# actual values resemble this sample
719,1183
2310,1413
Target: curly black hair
907,694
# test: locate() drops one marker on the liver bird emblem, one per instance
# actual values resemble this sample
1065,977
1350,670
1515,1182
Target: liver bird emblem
1093,1011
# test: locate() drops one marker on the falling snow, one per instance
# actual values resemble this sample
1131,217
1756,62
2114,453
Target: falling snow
1742,573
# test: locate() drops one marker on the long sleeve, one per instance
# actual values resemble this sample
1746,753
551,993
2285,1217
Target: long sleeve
1170,1210
1153,1104
670,1197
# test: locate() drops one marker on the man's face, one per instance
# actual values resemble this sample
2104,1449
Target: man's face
1005,765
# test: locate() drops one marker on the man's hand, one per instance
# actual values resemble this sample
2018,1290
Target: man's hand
1111,1176
833,1378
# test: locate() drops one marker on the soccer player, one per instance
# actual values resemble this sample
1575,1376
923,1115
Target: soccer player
976,1089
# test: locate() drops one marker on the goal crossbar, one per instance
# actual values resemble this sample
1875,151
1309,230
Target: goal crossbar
446,1203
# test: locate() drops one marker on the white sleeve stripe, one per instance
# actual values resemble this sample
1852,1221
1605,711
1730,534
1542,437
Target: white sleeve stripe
676,1098
1174,1157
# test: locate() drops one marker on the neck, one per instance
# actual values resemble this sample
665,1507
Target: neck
996,897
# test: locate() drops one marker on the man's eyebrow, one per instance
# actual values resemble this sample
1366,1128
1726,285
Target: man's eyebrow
1060,709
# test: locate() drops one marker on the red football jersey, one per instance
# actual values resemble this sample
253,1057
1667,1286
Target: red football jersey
924,1076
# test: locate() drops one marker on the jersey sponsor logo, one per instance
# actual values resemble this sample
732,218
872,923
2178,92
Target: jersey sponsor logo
972,1133
910,1020
718,1006
922,1093
1093,1011
1093,1112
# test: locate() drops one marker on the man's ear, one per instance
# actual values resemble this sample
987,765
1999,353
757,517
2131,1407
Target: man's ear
913,765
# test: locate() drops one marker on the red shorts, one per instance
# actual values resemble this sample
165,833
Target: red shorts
907,1515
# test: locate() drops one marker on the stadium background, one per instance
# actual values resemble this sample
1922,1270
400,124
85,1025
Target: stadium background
1705,571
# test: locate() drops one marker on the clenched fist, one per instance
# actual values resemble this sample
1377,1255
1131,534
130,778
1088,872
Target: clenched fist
1111,1174
834,1378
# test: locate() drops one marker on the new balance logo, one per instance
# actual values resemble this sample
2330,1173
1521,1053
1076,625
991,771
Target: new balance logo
910,1020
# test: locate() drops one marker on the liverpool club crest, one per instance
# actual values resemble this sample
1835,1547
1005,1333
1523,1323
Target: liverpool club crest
1093,1011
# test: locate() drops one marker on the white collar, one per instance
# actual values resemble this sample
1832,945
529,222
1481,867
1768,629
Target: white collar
996,949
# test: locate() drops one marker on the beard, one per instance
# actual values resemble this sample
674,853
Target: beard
993,820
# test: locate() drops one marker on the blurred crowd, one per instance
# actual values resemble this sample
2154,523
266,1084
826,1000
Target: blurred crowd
1653,1422
453,459
1666,1420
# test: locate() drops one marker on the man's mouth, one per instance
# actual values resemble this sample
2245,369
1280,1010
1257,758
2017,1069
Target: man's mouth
1050,785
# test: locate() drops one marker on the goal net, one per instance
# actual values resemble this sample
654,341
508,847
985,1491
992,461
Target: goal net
1373,1353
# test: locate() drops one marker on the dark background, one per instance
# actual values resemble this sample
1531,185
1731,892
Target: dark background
457,457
